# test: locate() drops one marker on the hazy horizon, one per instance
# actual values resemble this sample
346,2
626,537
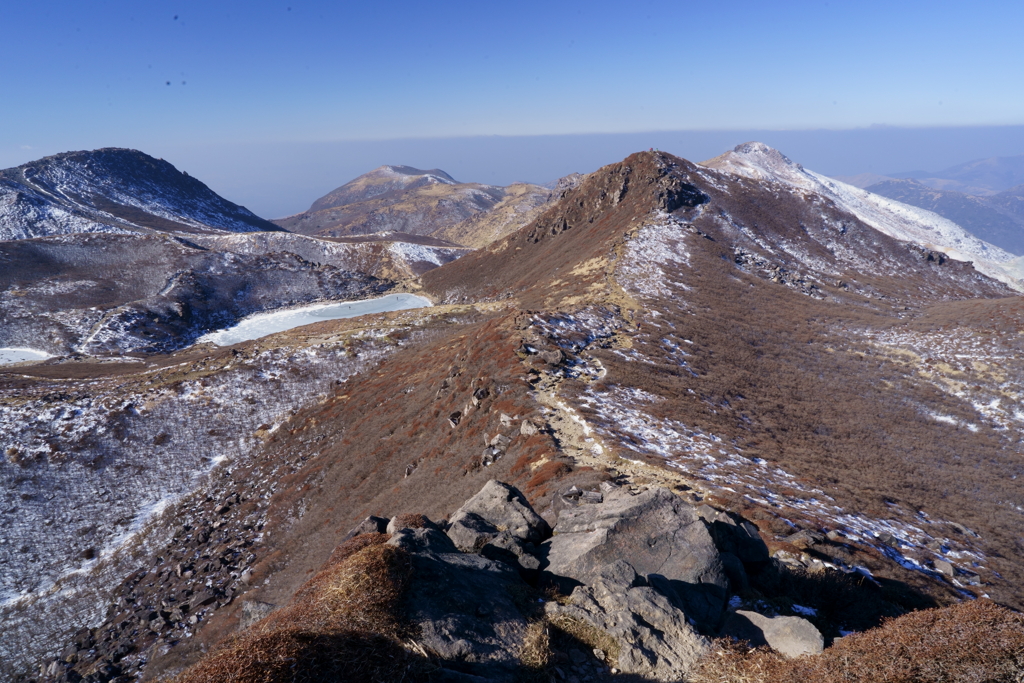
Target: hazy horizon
275,103
279,179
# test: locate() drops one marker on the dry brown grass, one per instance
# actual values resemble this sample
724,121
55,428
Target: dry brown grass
344,624
973,642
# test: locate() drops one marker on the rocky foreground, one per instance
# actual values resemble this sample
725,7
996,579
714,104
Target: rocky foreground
628,584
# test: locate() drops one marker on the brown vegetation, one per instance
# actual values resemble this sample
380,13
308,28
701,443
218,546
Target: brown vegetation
973,642
342,625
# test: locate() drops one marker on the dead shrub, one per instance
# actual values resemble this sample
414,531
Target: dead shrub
536,652
591,636
972,642
343,624
294,655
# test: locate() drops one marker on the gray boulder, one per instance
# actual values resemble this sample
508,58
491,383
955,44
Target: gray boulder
661,536
463,609
370,525
789,636
422,540
470,532
504,508
522,555
654,637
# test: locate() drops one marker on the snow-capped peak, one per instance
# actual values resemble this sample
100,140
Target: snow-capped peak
900,221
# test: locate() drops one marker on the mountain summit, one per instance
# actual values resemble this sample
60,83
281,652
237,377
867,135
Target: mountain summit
900,221
409,200
113,190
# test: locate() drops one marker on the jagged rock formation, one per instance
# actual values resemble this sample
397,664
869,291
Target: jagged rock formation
113,191
471,615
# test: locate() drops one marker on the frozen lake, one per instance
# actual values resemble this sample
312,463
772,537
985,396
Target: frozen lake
262,324
10,355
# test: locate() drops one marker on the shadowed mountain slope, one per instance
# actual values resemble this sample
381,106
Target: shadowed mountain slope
113,190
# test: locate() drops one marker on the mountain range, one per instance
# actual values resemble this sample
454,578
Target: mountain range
756,345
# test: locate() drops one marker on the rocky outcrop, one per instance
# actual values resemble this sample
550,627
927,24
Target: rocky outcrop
472,608
644,573
654,638
661,536
495,509
463,606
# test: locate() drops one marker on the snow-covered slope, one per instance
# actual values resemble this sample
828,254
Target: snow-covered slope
386,257
114,191
901,221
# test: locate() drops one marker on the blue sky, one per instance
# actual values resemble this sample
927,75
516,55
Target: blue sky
184,79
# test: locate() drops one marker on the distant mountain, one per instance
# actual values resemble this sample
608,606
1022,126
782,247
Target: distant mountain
520,205
406,199
113,190
898,220
997,219
979,177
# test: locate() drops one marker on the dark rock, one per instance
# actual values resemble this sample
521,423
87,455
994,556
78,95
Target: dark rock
733,534
739,582
505,508
207,597
662,537
521,555
789,636
370,525
654,637
443,603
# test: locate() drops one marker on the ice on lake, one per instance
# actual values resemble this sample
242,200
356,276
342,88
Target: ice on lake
262,324
10,355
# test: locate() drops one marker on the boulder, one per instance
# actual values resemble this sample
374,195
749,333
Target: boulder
522,555
505,508
464,610
789,636
409,521
470,532
422,540
527,428
370,525
655,639
661,536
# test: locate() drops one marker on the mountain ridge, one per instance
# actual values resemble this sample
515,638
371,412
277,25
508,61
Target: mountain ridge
113,190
